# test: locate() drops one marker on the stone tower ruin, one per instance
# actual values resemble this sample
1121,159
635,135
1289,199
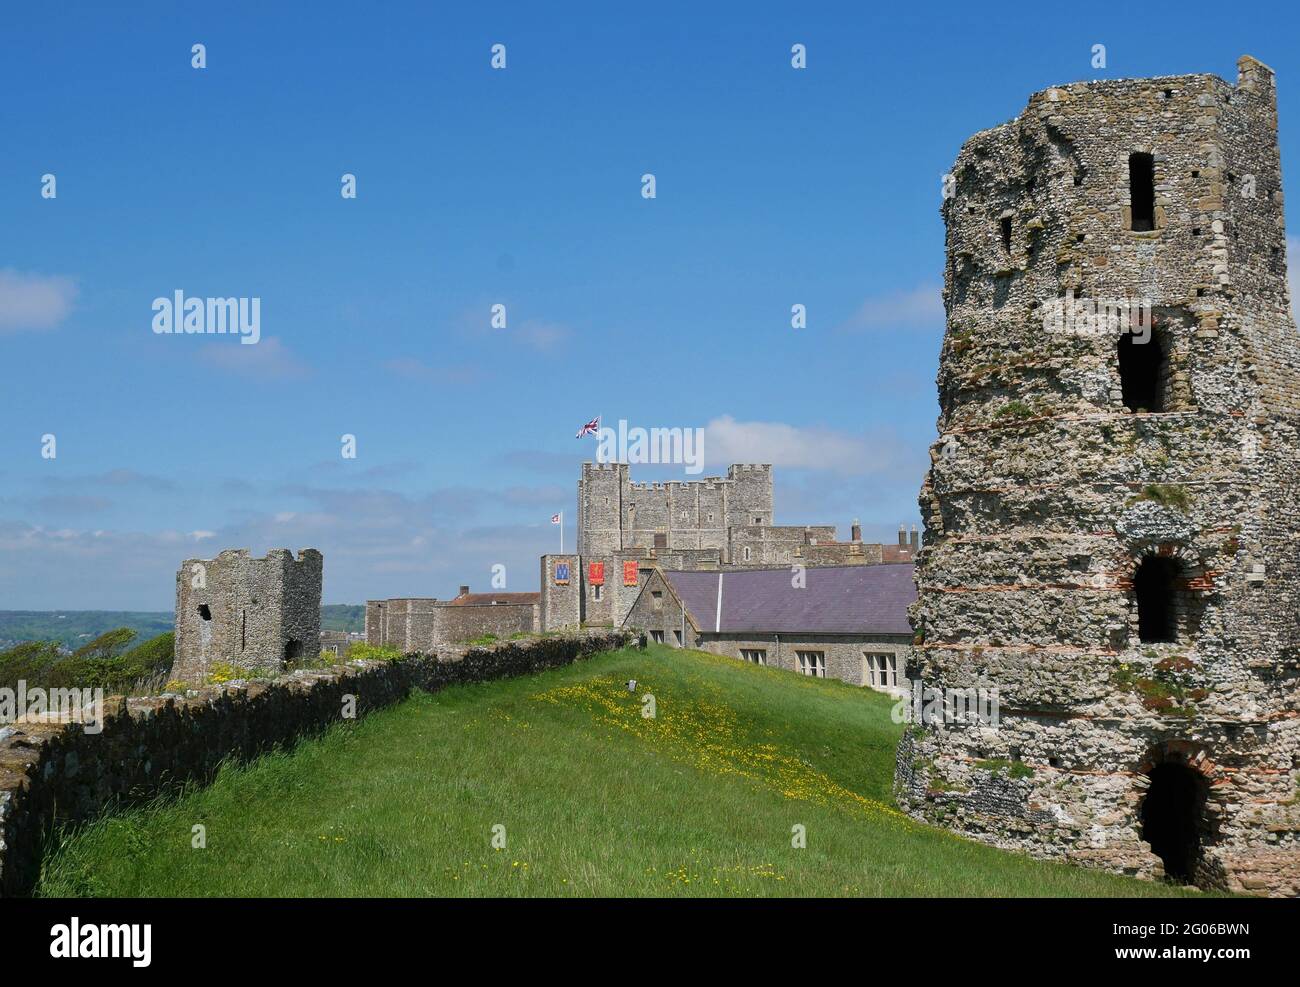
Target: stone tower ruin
1113,507
255,614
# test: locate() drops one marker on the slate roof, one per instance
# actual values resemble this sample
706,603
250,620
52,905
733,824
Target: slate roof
857,599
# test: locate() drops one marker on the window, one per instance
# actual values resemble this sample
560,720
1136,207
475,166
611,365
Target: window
758,520
1153,585
882,670
746,553
1006,234
755,656
657,637
710,516
677,638
1142,191
1142,370
596,592
812,663
205,611
657,594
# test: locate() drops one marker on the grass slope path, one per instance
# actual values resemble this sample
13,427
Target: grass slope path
56,773
583,793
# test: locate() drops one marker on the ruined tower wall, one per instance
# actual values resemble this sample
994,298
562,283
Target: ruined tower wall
1049,486
246,612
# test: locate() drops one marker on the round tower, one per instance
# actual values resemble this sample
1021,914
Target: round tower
1108,622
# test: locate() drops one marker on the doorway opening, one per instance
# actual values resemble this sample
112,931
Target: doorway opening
1173,815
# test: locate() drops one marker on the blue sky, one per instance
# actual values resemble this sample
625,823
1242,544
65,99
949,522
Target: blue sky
775,186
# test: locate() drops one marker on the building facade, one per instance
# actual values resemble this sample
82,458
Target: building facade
844,622
422,625
1111,512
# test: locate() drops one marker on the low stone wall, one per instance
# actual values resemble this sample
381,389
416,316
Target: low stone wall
57,773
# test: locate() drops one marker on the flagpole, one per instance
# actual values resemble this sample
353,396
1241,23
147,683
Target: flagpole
561,532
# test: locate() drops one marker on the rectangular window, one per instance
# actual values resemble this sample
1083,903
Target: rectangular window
657,637
677,637
657,594
812,663
596,591
755,656
882,670
1142,190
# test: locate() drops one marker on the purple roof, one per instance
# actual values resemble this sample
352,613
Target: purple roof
857,599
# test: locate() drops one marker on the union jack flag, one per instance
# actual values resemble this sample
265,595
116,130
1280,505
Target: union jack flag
555,519
591,428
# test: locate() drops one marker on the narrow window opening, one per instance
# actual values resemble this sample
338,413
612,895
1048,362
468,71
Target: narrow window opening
1142,191
1006,234
1172,815
205,611
292,650
1154,586
243,630
1142,371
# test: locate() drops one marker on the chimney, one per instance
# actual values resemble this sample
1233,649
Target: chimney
916,540
856,531
902,536
464,591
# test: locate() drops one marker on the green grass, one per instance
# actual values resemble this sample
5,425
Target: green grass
595,800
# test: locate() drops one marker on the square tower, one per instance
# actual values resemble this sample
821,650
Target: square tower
1112,507
245,612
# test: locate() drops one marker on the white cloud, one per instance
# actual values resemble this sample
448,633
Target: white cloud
268,359
542,335
920,308
34,301
785,446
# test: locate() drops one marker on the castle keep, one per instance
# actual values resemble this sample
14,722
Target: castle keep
626,530
1111,513
245,612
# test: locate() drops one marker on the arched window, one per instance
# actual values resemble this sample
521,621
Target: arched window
1154,584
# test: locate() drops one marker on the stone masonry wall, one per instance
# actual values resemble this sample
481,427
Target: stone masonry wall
1048,491
246,612
56,773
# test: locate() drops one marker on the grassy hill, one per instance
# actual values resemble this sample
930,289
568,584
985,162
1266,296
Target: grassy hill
594,798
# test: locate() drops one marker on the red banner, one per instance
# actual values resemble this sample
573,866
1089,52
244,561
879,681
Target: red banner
596,573
629,573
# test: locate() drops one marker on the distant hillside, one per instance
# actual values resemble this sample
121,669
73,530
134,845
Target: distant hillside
73,628
343,617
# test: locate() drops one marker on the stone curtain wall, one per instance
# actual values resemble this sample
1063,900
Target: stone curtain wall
56,773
